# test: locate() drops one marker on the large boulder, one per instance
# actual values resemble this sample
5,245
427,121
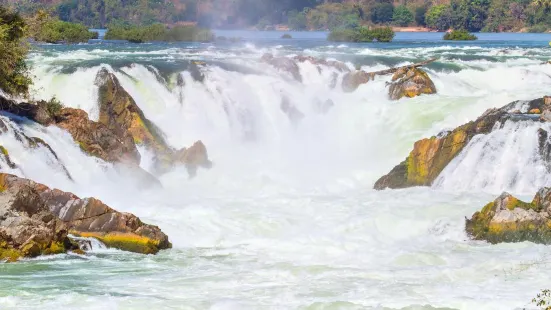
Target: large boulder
410,82
36,220
430,156
283,64
508,219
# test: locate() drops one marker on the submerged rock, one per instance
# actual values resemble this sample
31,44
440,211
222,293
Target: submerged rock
340,66
36,220
410,83
508,219
283,64
352,80
192,158
429,157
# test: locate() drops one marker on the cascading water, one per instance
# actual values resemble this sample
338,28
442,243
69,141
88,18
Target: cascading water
286,218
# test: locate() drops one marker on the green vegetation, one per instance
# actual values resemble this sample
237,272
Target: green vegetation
402,16
158,32
543,300
53,106
460,35
286,36
14,73
362,34
472,15
45,28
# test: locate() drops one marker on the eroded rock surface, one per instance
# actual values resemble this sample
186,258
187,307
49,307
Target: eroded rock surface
410,83
36,220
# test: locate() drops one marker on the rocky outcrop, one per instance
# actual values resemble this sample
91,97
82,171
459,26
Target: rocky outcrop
410,82
283,64
97,139
508,219
352,80
36,220
429,157
120,113
192,158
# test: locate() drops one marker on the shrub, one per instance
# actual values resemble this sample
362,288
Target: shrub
14,73
55,31
342,35
460,35
362,34
539,28
286,36
158,32
383,34
543,300
53,106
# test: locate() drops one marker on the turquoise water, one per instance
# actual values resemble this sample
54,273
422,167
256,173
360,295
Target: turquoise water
287,218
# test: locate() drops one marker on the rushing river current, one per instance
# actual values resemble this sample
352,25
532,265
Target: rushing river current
287,217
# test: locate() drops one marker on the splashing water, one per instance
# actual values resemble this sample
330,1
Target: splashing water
286,218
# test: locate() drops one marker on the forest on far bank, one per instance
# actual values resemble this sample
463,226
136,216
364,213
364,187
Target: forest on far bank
471,15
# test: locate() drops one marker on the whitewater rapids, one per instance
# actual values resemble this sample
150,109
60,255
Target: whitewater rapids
287,218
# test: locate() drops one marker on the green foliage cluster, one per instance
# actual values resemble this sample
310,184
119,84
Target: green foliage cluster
460,35
402,16
14,73
543,300
44,27
472,15
361,34
53,106
59,31
158,32
286,36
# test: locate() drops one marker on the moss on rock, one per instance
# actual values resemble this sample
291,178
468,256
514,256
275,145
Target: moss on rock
508,219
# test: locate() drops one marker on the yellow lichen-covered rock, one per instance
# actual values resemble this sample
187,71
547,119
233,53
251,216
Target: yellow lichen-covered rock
35,220
508,219
130,242
410,83
534,111
430,157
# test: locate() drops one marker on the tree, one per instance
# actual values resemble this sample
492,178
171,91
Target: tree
382,13
420,15
402,16
297,20
469,14
439,17
14,73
